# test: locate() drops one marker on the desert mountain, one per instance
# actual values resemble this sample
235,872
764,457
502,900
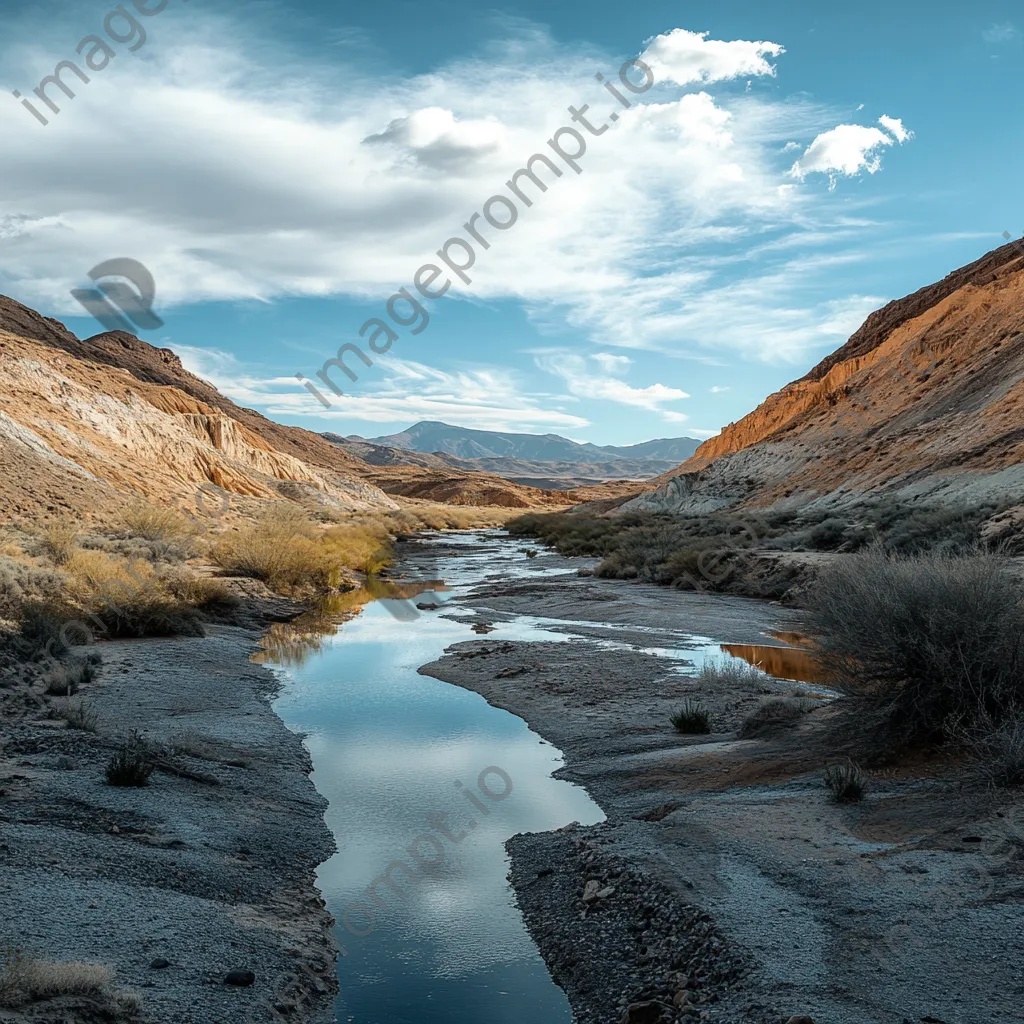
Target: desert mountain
83,423
434,437
925,401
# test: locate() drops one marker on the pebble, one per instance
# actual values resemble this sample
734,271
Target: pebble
239,978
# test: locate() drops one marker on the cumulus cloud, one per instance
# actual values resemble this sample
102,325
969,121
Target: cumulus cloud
685,58
583,381
849,149
436,138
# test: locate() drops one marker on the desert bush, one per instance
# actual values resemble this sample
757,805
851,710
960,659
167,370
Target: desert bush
732,673
131,765
22,584
923,647
154,523
289,553
692,719
1000,753
25,980
125,598
845,782
79,715
58,540
203,592
771,715
64,678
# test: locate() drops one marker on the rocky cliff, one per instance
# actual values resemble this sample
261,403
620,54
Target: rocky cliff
925,400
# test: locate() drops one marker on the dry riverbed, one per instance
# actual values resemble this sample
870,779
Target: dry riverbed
725,885
198,890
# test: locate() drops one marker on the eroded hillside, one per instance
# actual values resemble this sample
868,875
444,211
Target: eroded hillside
925,400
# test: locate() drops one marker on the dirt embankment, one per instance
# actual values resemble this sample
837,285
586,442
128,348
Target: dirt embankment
202,878
725,885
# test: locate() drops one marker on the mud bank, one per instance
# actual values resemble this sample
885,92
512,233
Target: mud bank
206,871
725,886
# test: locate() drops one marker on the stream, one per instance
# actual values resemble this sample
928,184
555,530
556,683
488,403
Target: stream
425,782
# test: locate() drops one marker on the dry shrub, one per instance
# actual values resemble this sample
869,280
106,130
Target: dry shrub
772,715
22,584
923,647
59,538
845,782
1000,753
157,524
197,591
25,980
79,715
692,719
290,553
132,765
732,673
64,678
128,598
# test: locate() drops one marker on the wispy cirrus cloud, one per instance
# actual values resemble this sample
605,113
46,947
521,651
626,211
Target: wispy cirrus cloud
490,398
1002,32
314,181
606,383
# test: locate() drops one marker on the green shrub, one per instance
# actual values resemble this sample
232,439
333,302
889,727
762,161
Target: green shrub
923,647
692,719
845,782
771,715
131,765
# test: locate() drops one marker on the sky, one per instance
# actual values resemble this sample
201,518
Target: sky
285,170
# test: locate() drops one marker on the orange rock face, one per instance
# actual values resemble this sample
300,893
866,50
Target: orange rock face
927,399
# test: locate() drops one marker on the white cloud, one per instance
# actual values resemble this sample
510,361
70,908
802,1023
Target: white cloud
585,383
849,149
237,170
611,364
1002,32
489,398
894,126
685,58
717,390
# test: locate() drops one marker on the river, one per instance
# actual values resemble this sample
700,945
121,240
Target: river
425,782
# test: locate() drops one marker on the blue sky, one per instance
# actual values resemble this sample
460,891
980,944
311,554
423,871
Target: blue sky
284,168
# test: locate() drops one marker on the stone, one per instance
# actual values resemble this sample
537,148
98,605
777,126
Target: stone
159,964
590,890
648,1012
606,892
241,979
800,1020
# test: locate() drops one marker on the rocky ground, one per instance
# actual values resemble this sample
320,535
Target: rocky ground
725,884
197,890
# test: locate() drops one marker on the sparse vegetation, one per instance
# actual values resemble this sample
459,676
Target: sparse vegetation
692,719
153,523
732,673
132,765
59,538
79,715
924,647
1000,754
25,980
64,678
774,714
290,553
845,782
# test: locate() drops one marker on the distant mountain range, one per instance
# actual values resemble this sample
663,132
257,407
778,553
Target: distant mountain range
548,461
432,437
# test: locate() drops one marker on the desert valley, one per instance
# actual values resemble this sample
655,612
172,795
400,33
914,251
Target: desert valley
779,674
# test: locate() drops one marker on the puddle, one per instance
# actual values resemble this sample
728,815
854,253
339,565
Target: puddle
791,663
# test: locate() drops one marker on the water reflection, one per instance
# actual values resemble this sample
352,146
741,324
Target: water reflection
292,643
797,664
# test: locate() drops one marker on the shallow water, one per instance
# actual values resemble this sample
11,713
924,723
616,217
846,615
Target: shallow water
393,749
